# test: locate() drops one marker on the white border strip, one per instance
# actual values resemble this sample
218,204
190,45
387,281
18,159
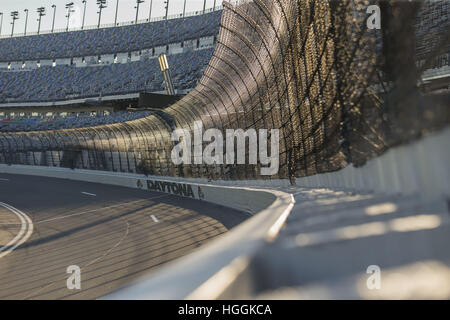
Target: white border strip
24,234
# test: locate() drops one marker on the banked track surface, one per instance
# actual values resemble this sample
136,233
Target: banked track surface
114,234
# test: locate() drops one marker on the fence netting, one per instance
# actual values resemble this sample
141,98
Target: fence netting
339,92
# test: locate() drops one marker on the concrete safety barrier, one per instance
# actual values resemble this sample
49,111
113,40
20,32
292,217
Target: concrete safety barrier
420,168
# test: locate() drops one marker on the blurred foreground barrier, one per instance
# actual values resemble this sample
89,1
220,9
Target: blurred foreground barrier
420,168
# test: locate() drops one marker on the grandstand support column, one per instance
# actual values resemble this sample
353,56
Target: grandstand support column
166,73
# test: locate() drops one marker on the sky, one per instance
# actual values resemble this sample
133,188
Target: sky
126,13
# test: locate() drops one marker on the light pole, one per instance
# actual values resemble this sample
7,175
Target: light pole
167,24
138,2
69,7
184,14
41,13
167,8
101,5
26,22
214,5
54,13
14,16
150,13
1,23
117,10
84,14
204,6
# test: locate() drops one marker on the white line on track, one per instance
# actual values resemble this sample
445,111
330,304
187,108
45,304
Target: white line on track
89,194
99,209
24,234
154,218
3,179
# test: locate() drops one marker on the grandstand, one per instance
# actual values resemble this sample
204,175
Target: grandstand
54,122
64,82
114,40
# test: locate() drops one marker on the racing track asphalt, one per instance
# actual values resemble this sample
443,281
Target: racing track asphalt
113,234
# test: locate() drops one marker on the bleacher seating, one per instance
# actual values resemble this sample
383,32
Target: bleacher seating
108,40
58,122
63,82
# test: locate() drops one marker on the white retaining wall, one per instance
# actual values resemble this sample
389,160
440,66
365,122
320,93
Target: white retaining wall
420,168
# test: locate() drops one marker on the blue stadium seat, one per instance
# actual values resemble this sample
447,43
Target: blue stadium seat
108,40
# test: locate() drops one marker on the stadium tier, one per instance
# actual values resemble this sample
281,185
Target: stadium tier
58,122
63,81
109,40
